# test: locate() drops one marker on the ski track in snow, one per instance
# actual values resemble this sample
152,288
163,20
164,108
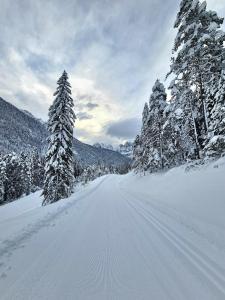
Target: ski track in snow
212,271
107,242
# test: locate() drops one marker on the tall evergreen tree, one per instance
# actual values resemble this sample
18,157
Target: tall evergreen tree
216,144
2,179
182,116
26,172
143,148
59,173
218,113
137,153
13,181
157,105
37,170
197,56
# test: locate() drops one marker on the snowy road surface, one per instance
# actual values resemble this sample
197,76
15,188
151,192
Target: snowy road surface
109,241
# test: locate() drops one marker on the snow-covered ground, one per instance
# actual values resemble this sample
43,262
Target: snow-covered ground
121,237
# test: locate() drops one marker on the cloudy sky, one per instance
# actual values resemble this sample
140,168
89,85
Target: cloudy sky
113,51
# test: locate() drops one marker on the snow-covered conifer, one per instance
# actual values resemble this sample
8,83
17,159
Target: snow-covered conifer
59,173
140,153
197,56
26,172
14,179
37,170
216,144
154,136
2,180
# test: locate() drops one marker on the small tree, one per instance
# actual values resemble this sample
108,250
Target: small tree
13,178
37,170
26,172
59,173
2,180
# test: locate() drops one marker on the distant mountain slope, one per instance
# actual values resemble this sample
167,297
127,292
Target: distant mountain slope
125,149
20,130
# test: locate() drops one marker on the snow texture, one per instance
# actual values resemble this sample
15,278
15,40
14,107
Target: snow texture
120,237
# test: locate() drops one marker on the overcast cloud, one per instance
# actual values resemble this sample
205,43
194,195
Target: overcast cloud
112,50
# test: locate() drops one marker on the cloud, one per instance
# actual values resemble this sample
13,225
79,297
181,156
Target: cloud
124,129
91,106
86,106
113,52
84,116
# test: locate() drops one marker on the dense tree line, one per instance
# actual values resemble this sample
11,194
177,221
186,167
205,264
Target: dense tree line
23,174
84,174
191,124
20,175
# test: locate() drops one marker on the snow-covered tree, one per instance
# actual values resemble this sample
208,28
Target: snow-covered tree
37,170
2,180
137,151
26,172
148,146
192,123
197,56
59,172
216,144
14,180
218,111
140,147
182,117
154,136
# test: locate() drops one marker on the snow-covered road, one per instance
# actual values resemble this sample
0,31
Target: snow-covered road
109,241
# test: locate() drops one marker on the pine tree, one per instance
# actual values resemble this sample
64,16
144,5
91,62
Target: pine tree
216,144
140,153
218,113
183,117
14,180
26,172
154,135
59,173
143,149
37,170
137,152
2,179
197,56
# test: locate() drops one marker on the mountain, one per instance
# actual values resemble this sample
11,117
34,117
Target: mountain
102,145
124,149
20,130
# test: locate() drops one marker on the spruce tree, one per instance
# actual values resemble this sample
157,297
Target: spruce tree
26,172
197,57
137,152
154,140
143,150
183,121
14,180
2,179
216,144
37,170
140,153
59,172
